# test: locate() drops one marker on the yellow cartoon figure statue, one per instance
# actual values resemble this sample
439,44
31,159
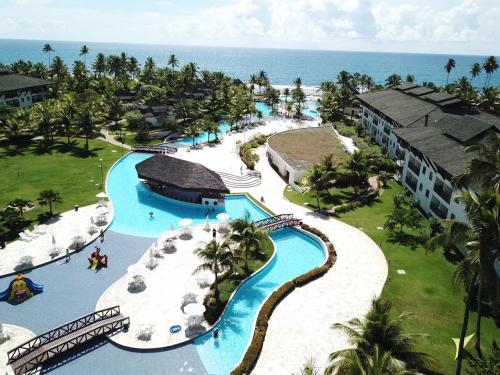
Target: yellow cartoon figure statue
20,289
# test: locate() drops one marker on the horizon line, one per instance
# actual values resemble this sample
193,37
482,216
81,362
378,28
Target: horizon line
246,47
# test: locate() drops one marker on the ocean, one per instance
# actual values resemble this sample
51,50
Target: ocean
282,66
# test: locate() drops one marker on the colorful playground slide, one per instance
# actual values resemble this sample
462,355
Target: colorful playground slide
20,289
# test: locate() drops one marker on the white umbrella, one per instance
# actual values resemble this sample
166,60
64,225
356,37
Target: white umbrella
102,194
102,210
53,239
185,222
223,216
92,220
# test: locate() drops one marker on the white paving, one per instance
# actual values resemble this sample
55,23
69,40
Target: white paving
159,305
58,232
303,319
18,335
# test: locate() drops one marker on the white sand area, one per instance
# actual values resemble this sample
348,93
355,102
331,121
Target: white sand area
18,336
57,234
158,307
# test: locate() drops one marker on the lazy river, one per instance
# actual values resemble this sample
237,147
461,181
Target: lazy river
71,290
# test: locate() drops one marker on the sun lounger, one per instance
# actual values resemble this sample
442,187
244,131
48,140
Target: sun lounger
24,237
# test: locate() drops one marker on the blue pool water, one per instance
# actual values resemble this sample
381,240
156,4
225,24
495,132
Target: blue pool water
223,128
133,201
296,253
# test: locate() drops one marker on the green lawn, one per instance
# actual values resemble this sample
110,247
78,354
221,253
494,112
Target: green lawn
228,286
426,289
334,197
131,141
66,169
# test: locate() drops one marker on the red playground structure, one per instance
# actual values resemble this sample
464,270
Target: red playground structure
97,260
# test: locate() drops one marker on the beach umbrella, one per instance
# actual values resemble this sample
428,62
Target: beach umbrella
185,222
102,210
195,320
92,220
53,239
102,195
223,216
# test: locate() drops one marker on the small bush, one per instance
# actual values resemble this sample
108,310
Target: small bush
137,284
4,336
151,264
92,230
24,263
145,333
306,278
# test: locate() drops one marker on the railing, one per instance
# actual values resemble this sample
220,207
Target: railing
155,149
272,220
61,331
282,224
443,192
411,182
415,167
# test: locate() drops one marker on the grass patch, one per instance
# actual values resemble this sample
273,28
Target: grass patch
327,200
228,286
131,141
426,290
67,169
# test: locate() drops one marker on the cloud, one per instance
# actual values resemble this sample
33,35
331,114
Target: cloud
467,26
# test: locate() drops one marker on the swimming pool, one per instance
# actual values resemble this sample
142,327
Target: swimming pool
295,254
133,201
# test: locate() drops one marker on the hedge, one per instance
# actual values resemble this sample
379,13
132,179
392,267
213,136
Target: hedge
252,354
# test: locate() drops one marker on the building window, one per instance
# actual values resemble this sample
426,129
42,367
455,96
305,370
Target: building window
438,208
430,176
443,190
424,169
427,193
420,186
452,216
414,165
411,181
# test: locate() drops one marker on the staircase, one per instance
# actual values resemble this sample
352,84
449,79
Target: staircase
233,181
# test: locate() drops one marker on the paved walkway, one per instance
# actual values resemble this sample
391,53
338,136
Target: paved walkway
110,139
303,319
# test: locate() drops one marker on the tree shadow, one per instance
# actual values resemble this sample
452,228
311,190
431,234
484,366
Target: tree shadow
14,148
405,239
74,149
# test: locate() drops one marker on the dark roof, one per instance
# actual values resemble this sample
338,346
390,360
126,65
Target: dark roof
405,86
421,90
180,173
398,106
462,128
443,150
11,82
437,97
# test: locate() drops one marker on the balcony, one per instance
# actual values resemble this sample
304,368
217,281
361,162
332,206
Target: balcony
387,130
411,182
443,191
414,166
439,209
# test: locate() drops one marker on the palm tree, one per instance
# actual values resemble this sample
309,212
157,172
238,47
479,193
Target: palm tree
192,130
209,126
263,79
20,205
450,65
217,258
133,66
490,66
47,48
357,170
248,237
315,179
173,62
88,119
286,94
67,113
48,198
393,80
410,78
344,79
378,345
44,119
100,65
474,71
83,52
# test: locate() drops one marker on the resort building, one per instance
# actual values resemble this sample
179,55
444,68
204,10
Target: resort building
428,133
292,153
182,180
22,91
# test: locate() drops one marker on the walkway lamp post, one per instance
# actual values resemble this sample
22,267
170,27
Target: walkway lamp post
102,173
121,134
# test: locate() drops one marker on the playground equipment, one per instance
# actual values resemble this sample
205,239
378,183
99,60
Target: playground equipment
20,289
97,260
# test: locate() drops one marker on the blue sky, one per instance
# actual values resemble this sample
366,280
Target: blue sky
435,26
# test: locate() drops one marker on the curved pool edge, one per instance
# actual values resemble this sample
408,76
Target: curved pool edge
325,253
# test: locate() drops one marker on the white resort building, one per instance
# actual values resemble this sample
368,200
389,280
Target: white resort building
22,91
428,133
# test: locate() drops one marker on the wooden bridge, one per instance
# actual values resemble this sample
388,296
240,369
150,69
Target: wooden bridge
278,222
35,352
163,149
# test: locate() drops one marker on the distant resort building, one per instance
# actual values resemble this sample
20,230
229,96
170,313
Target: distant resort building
183,180
427,132
292,153
22,91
